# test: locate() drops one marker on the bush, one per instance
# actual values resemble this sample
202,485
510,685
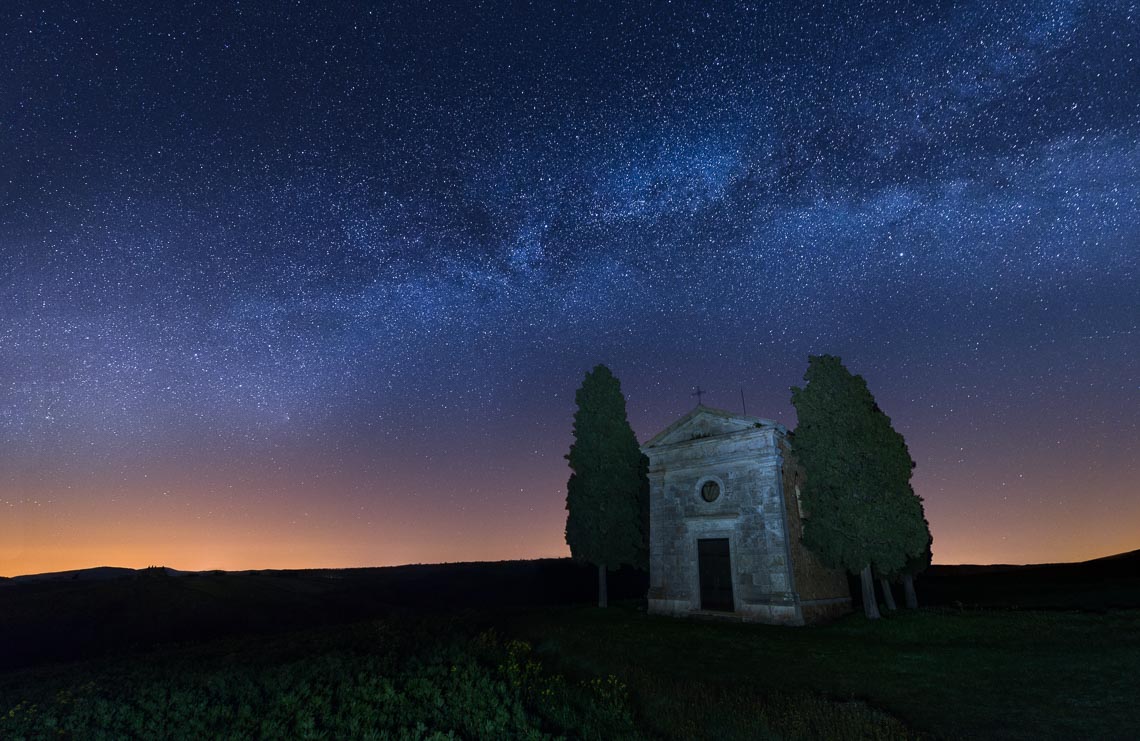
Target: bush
403,683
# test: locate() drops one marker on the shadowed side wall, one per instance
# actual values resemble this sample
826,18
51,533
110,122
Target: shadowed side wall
823,592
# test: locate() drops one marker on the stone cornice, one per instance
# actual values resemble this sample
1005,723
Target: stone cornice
765,458
701,410
765,433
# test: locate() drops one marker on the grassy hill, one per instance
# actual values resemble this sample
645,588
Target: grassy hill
515,649
1099,584
54,619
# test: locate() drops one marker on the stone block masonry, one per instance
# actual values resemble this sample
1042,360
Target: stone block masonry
732,480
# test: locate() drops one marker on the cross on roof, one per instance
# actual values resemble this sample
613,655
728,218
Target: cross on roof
697,394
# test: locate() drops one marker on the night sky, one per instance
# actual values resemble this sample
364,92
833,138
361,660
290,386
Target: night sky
313,284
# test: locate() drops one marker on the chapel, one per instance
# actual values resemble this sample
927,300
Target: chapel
725,522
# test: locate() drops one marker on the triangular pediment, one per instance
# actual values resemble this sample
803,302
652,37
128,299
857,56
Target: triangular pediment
705,422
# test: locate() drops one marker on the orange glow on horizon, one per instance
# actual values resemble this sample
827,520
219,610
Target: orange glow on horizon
38,546
42,537
988,504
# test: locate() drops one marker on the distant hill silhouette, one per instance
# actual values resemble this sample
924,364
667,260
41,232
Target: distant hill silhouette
98,573
52,617
1098,584
1120,564
86,612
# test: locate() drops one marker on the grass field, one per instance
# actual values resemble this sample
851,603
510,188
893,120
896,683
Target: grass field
494,651
402,677
944,672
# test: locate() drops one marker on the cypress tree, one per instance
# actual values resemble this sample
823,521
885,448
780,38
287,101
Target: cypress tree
860,515
607,496
917,564
912,535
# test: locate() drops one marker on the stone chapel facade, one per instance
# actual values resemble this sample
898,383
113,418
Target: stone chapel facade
725,524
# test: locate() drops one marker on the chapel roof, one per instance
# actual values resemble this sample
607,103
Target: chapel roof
735,422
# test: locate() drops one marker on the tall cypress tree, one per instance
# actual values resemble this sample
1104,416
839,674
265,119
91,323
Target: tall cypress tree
607,497
860,515
910,534
917,564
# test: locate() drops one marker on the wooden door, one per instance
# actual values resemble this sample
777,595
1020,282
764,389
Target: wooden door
715,574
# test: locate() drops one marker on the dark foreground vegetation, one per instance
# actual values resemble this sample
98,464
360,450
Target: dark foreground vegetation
502,651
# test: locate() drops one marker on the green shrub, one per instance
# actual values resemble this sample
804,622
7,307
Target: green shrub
404,686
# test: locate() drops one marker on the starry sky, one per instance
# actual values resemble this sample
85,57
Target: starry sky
313,284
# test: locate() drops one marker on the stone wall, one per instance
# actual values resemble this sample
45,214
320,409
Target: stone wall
749,512
774,578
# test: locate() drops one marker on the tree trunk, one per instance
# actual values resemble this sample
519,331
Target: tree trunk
886,585
603,596
911,597
870,604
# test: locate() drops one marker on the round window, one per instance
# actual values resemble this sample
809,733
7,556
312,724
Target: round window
710,490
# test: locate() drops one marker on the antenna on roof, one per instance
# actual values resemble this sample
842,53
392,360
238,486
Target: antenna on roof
742,404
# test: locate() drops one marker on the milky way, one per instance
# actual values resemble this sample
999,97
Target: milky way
314,284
